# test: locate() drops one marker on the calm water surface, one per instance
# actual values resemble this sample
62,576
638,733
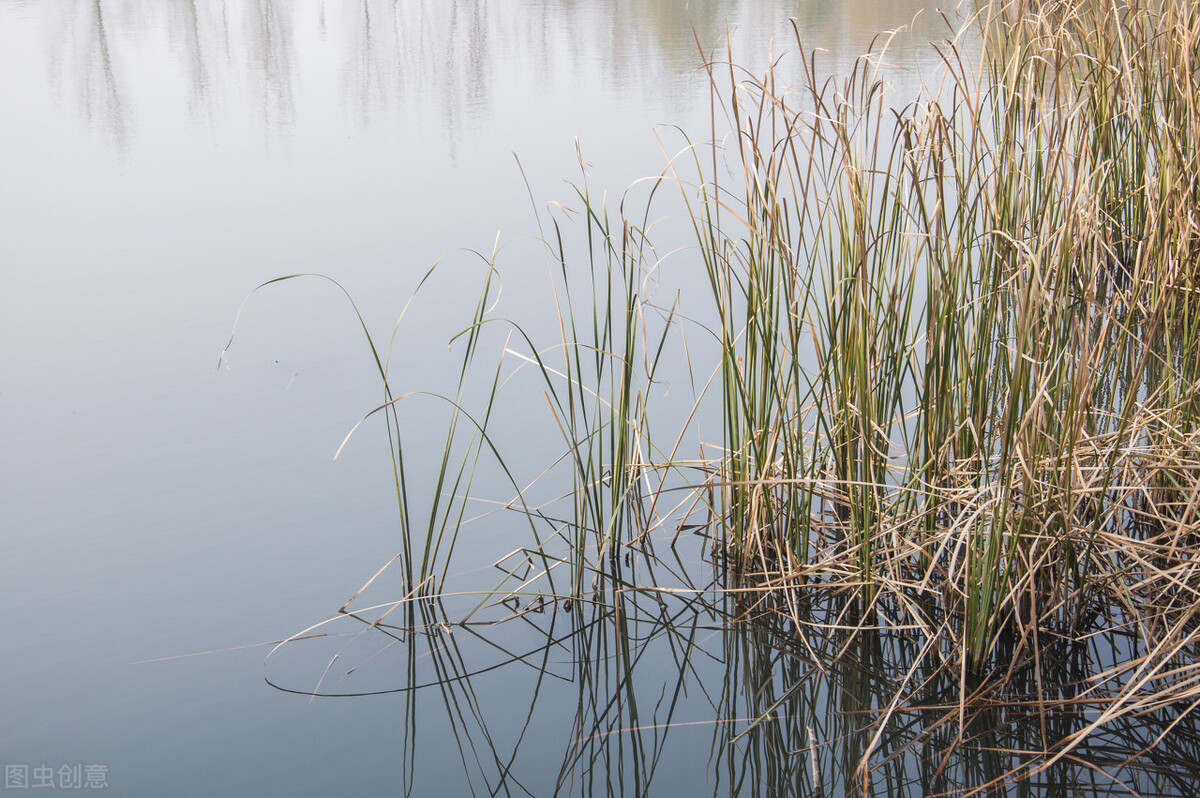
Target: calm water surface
165,519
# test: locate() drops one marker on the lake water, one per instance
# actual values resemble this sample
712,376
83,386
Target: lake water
167,520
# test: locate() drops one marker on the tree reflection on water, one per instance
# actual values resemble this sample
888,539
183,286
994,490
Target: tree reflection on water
408,58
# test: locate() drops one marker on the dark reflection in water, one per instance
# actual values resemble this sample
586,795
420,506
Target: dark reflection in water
271,56
693,689
81,61
459,59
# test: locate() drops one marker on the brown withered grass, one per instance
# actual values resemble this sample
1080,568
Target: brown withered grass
998,443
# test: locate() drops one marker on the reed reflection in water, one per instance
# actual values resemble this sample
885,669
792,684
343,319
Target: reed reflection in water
691,688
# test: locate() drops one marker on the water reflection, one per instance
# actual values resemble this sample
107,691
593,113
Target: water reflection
271,57
116,61
701,690
81,63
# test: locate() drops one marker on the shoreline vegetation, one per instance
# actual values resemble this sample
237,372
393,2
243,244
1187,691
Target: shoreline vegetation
958,378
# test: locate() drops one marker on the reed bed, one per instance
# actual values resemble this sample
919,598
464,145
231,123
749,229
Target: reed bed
959,370
997,284
957,378
957,344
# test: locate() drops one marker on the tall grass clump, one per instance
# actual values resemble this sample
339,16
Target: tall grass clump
958,338
598,381
957,381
